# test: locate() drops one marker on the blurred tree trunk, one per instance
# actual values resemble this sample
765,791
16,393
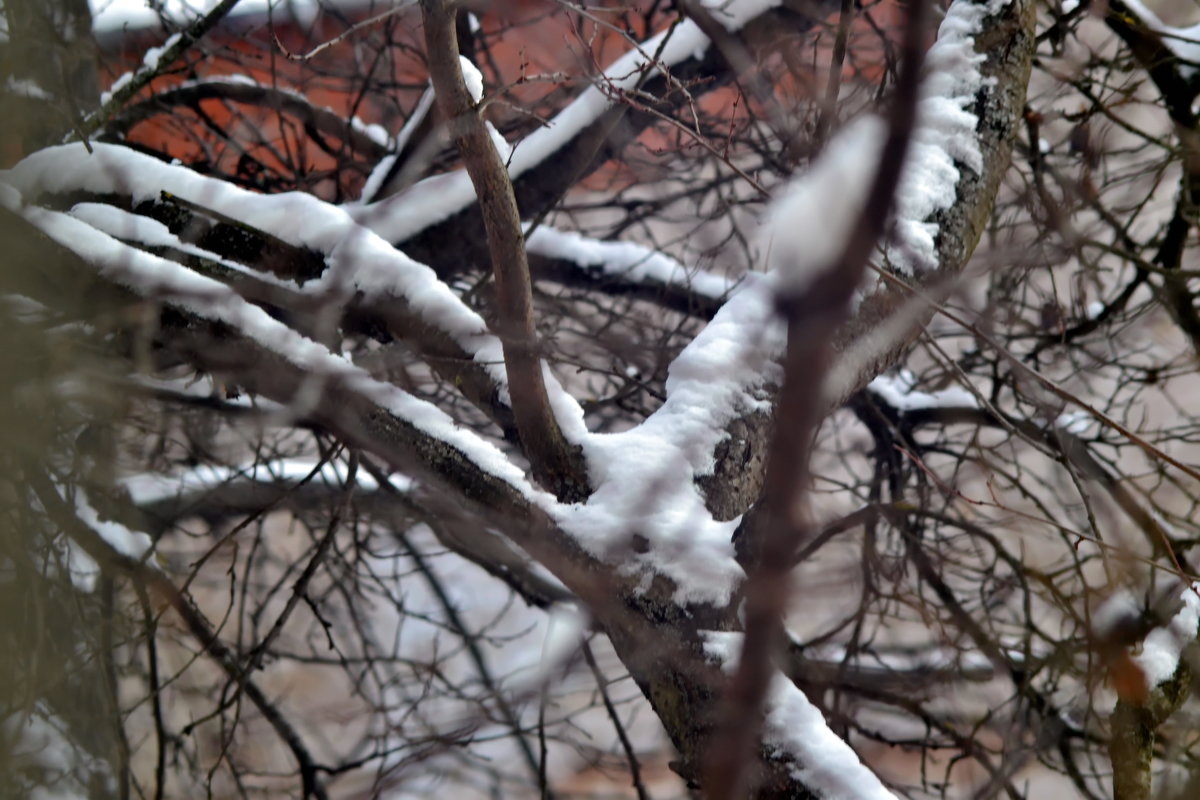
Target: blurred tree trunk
49,72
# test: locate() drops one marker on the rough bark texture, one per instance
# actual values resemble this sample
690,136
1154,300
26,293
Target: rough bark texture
1131,746
1008,43
657,638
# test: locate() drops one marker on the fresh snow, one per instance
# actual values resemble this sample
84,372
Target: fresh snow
1163,647
644,478
130,227
626,261
945,136
132,544
811,224
117,15
473,78
899,392
149,65
359,260
162,279
795,728
147,488
1183,42
435,199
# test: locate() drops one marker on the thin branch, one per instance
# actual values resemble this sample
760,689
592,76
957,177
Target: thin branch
166,59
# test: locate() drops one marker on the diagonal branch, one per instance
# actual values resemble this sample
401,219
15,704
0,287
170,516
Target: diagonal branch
869,342
176,46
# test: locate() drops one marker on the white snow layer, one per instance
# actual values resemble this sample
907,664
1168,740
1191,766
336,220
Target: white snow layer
1183,42
899,392
646,497
132,544
152,487
116,15
811,221
626,261
358,259
1163,647
149,65
151,276
472,77
644,478
434,199
793,726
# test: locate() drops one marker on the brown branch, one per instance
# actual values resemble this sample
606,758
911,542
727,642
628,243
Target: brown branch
813,317
444,244
1007,43
556,465
149,578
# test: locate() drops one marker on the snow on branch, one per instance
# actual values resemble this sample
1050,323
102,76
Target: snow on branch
1163,647
1173,621
811,221
358,260
160,279
440,197
155,60
627,262
1183,42
899,392
645,478
152,487
794,730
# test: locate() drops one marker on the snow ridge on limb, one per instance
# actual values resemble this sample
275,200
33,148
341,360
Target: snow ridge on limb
358,261
995,40
1183,42
811,223
157,278
946,138
407,214
626,261
723,376
645,478
943,143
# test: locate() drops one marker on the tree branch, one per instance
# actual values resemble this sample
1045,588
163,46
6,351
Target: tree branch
556,464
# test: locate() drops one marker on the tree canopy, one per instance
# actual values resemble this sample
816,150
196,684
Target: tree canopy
750,398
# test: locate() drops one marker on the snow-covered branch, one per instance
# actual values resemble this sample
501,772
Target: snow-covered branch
978,70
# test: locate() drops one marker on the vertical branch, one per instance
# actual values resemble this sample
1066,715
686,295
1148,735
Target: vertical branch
774,536
555,464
